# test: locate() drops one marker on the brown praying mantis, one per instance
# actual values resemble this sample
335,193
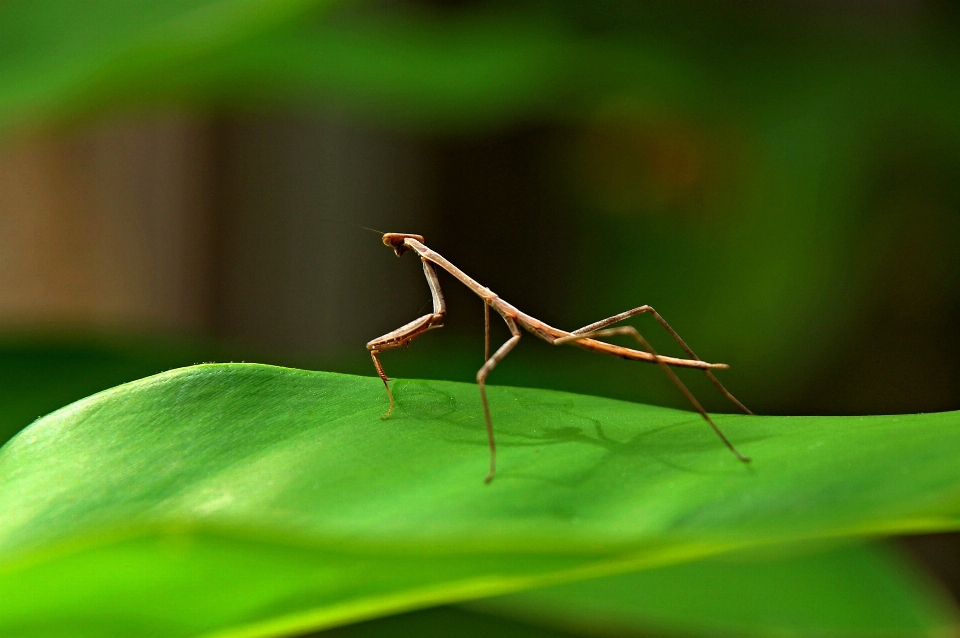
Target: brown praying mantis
586,337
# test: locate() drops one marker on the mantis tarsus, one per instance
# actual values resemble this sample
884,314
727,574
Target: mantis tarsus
586,337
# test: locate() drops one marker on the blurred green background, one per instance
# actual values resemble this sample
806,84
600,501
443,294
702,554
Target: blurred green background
782,182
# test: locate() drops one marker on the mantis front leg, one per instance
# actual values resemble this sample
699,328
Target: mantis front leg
486,331
407,333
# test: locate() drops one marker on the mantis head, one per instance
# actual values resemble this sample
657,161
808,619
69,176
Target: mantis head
395,241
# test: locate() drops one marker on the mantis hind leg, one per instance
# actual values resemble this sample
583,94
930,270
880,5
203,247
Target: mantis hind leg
633,332
593,327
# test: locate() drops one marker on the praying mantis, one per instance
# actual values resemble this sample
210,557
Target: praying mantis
586,337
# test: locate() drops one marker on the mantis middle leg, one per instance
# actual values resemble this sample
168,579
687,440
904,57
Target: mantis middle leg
482,374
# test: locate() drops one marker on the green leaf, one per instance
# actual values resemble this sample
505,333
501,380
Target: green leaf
854,591
249,500
42,372
455,70
442,622
59,56
867,590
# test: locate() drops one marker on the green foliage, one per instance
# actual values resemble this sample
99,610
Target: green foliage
59,58
251,500
850,591
40,373
459,69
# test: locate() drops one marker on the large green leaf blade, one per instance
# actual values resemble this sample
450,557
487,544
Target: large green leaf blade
40,372
848,591
172,582
868,590
393,514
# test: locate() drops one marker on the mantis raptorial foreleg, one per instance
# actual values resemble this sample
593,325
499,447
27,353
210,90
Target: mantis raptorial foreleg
405,334
482,374
486,331
673,333
633,332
